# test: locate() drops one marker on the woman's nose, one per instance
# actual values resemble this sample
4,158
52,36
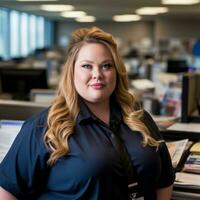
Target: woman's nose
97,74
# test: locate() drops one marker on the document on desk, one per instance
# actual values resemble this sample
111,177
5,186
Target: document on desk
176,150
8,131
187,180
186,127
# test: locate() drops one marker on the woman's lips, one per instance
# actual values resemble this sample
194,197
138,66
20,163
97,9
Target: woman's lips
97,86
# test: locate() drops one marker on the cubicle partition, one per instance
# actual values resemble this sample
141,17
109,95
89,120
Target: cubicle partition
19,110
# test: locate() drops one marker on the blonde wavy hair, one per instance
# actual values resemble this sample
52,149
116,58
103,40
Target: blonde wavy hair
65,107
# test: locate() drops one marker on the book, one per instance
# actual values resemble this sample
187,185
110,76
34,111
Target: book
195,147
192,163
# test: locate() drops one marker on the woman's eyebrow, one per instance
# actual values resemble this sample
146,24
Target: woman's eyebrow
89,61
85,61
108,60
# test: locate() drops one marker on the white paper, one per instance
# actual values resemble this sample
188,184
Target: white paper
187,179
176,150
7,136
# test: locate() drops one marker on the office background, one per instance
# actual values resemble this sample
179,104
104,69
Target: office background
161,50
25,26
34,36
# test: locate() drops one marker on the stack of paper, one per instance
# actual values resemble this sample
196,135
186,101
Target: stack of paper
187,179
8,131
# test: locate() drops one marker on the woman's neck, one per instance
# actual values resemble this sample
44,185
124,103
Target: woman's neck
101,110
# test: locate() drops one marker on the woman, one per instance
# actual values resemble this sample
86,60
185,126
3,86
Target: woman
94,142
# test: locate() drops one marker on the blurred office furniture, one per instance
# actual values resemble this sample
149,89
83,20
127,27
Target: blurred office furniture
40,53
132,53
190,111
144,90
132,66
146,68
19,81
177,66
143,85
7,63
44,96
18,60
188,130
184,191
171,101
196,55
19,110
148,71
151,104
12,115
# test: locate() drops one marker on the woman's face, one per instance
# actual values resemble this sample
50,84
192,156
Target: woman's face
94,73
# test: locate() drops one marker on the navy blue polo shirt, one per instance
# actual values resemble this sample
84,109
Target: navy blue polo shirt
92,170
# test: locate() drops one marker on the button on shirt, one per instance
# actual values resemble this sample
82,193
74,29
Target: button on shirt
92,170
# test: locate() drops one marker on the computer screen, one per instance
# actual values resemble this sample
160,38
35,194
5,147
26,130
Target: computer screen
190,111
177,66
19,81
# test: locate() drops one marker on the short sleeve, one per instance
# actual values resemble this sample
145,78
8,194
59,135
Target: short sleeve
23,170
167,176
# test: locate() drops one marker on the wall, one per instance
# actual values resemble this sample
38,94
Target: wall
126,31
177,28
135,31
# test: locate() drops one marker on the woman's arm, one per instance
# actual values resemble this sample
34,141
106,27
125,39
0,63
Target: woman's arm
4,195
164,193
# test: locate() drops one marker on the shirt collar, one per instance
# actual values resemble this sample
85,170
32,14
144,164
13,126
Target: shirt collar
86,116
115,114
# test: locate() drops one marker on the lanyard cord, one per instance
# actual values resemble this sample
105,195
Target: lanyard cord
124,157
126,162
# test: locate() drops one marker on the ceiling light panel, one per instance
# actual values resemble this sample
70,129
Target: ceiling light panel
126,18
180,2
151,10
73,14
56,7
86,18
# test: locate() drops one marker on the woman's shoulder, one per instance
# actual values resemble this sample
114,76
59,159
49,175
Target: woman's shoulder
34,128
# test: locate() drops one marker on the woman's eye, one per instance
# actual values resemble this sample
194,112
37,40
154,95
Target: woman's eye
87,66
107,66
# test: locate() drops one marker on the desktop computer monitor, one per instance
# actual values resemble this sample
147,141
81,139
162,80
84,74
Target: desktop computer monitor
19,81
177,66
190,111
